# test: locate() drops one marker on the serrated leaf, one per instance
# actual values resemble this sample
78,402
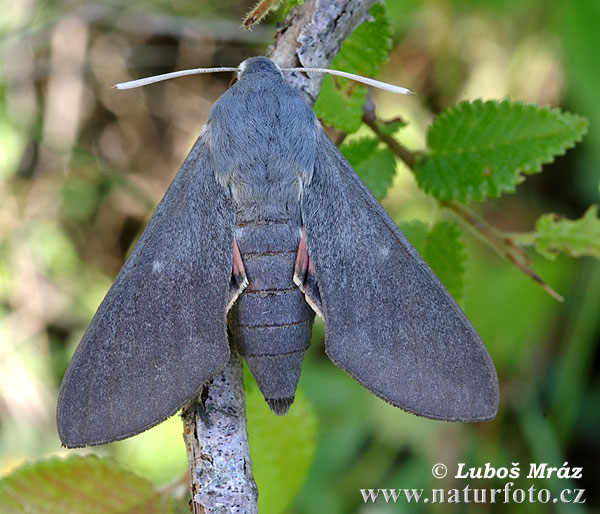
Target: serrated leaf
77,485
445,253
281,447
376,166
443,249
480,149
340,101
573,237
367,48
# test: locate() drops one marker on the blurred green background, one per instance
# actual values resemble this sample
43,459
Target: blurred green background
83,165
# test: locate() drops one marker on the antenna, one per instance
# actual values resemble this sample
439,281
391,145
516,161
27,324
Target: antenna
196,71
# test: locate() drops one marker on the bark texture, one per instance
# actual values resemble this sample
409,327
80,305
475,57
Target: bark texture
214,430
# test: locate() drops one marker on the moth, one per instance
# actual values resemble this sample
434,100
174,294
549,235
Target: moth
264,226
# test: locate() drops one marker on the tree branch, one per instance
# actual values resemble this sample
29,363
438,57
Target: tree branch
214,431
312,35
215,426
502,243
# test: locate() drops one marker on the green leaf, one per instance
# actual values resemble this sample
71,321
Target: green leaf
416,232
479,149
573,237
340,101
281,447
443,249
76,485
367,48
445,253
376,166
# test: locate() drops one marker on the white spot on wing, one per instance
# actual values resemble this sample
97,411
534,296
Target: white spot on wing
157,266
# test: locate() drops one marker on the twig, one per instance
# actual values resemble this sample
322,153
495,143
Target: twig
502,244
496,239
312,35
217,445
409,158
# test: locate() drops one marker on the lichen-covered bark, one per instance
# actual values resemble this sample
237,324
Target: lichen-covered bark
312,35
217,446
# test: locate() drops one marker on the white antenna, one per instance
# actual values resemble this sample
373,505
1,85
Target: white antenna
166,76
196,71
358,78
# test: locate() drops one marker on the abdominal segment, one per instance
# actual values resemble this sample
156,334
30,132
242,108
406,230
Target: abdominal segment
270,322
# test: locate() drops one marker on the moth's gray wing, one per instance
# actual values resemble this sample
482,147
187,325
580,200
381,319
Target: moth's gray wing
389,322
160,332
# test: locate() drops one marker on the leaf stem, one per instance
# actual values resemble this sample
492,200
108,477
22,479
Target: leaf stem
522,238
407,156
498,240
502,243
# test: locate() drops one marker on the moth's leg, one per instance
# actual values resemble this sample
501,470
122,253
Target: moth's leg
305,277
239,280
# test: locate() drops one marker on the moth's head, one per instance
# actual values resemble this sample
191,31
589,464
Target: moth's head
258,65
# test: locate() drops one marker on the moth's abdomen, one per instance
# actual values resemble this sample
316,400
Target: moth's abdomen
271,322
